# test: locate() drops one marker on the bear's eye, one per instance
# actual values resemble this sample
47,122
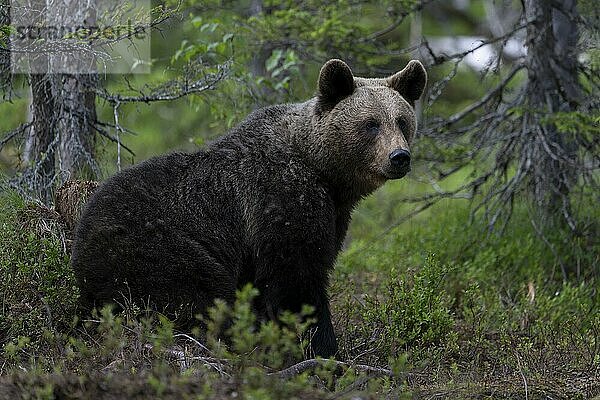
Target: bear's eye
372,127
403,125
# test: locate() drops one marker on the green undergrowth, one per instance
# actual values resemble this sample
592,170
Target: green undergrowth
433,308
37,287
469,309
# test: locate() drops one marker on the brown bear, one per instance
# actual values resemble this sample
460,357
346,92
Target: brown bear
268,204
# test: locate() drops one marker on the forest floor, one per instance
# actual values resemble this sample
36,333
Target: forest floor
428,311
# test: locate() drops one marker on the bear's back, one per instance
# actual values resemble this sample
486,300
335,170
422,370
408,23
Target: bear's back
169,227
133,235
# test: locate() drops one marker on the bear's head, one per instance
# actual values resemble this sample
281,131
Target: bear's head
365,126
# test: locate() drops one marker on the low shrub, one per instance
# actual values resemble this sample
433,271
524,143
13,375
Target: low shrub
413,311
37,286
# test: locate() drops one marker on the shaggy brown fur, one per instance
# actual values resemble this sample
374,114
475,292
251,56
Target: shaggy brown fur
70,199
268,203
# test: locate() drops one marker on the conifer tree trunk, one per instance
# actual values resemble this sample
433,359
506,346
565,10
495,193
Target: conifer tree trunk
552,87
39,154
5,77
60,142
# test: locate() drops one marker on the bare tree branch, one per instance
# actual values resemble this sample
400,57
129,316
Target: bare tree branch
14,133
399,20
306,365
171,90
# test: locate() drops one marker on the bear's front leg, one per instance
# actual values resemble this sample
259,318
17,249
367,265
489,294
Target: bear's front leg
322,341
293,242
285,290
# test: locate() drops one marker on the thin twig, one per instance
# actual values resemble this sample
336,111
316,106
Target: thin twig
111,138
191,339
522,376
474,106
12,134
118,131
390,28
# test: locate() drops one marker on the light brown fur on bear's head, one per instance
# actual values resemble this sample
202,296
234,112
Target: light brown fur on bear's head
364,126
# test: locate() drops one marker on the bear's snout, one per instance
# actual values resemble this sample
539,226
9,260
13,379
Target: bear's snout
399,164
400,159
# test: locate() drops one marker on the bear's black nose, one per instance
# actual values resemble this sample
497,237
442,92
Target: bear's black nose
400,158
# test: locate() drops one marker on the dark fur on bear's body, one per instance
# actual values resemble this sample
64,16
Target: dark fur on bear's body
269,203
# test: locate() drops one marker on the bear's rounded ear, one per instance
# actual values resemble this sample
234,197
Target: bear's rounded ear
335,83
410,82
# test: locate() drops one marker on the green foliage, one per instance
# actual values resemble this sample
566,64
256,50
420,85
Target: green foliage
281,66
5,32
281,47
413,311
337,24
487,302
269,343
37,286
574,123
